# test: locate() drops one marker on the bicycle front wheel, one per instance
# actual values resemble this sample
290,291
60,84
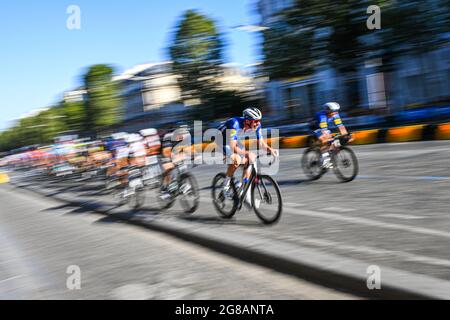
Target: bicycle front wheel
345,164
189,193
266,199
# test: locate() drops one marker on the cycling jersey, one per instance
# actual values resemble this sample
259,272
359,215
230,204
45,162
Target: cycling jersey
137,149
324,122
122,152
152,141
233,127
169,142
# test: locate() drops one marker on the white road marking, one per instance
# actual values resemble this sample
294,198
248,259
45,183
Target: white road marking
368,222
361,221
365,249
395,177
401,216
339,209
375,251
11,278
292,204
133,292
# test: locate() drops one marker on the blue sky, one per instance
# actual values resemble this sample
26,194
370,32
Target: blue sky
40,58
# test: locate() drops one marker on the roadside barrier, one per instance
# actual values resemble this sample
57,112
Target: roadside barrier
3,178
365,137
420,132
405,134
442,132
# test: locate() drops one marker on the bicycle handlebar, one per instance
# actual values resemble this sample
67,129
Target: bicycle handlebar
272,160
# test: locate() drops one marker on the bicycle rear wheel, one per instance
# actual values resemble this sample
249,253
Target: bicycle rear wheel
266,199
117,194
345,164
137,200
225,204
312,164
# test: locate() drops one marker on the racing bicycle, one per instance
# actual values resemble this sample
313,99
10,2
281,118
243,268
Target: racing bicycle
266,198
345,163
183,186
131,191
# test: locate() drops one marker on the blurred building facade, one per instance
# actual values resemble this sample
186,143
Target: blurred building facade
150,93
148,87
235,78
417,80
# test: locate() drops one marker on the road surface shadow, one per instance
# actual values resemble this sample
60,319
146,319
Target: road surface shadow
76,209
63,206
221,221
292,182
128,215
90,188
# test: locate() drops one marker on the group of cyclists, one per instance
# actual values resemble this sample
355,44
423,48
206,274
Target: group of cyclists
114,155
119,152
322,125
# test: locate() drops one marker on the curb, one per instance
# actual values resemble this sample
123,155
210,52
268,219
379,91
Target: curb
321,269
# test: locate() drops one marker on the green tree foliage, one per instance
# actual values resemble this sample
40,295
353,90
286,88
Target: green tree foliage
196,52
293,43
75,115
408,27
54,121
34,130
314,33
288,53
102,104
98,112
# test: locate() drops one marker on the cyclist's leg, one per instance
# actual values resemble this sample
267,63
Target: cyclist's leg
122,172
167,169
167,165
251,158
234,161
324,138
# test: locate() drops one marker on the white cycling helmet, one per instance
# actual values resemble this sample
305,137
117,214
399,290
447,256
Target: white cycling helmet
120,136
148,132
332,106
252,114
133,137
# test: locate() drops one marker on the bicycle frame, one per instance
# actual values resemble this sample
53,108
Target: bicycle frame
247,185
254,174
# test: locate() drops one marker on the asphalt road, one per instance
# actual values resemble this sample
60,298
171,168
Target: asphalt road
395,214
40,238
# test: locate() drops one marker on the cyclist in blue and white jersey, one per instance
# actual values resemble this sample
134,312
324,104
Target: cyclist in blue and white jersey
324,121
250,121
